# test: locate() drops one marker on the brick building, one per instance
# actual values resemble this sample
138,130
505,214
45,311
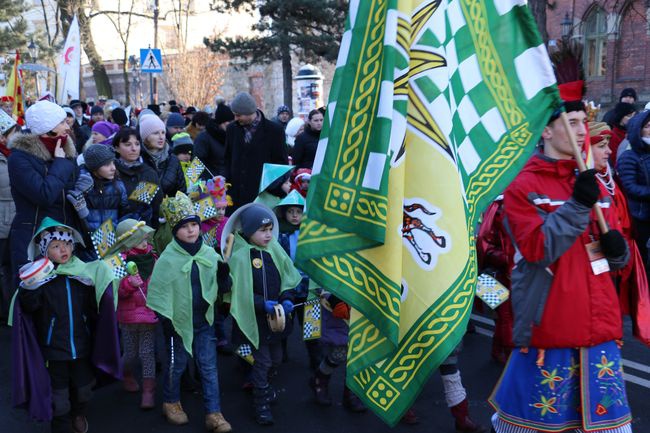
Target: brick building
616,39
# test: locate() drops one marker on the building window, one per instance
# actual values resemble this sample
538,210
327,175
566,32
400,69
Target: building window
595,43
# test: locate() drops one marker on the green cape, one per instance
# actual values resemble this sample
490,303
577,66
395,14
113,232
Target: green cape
267,199
98,272
241,299
170,288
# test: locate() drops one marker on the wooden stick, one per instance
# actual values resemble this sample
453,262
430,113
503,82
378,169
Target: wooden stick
577,153
230,240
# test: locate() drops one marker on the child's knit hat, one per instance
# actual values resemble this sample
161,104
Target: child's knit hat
182,143
255,217
97,155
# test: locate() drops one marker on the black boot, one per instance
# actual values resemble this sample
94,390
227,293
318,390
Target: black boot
351,402
320,384
263,415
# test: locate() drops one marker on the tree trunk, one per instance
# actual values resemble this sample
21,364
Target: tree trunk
287,76
125,74
538,9
102,82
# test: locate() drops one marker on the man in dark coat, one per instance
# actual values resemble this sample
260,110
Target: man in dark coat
251,141
210,145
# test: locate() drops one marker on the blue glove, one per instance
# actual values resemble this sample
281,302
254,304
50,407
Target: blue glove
268,306
288,306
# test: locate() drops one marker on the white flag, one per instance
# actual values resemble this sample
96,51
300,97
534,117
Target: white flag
69,64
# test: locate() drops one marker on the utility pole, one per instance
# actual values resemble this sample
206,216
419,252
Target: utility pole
156,12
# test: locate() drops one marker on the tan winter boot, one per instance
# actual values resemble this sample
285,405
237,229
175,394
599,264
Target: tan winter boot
174,413
217,423
148,393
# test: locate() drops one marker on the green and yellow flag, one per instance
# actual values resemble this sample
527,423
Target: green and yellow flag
434,108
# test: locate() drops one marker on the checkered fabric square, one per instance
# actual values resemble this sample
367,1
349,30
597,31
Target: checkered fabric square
491,291
246,353
144,192
210,237
195,170
205,208
118,265
312,328
103,238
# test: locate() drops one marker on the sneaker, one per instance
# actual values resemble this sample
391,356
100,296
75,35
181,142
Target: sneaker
79,424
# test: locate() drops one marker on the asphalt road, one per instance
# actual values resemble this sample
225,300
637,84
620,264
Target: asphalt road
113,410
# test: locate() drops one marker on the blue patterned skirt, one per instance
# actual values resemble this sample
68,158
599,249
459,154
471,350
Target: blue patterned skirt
571,388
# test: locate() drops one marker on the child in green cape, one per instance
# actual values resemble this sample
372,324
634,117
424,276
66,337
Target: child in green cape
263,276
182,291
63,306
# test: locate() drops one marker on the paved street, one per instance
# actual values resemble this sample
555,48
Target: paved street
113,410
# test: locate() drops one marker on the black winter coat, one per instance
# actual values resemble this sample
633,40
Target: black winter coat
304,150
244,161
63,310
170,173
210,148
38,186
132,176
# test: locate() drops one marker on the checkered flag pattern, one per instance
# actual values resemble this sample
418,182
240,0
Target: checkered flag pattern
210,237
205,208
117,265
490,291
103,238
246,353
195,170
144,192
311,328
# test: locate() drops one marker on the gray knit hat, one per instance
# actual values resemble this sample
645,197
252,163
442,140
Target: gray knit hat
243,103
253,218
97,155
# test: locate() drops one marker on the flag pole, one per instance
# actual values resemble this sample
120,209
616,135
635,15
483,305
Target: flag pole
577,153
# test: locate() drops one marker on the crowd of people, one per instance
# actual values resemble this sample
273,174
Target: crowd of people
204,213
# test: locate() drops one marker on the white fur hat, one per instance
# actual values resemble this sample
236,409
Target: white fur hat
43,117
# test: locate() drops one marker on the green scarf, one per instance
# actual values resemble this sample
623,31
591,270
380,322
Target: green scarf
170,288
96,271
242,307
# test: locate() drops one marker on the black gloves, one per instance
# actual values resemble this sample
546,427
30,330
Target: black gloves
613,244
586,190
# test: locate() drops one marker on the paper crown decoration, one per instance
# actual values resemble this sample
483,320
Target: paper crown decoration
178,208
218,189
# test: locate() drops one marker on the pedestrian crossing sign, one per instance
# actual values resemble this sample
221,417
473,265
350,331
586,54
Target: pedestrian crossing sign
150,60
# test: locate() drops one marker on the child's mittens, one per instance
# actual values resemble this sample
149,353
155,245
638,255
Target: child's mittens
288,306
135,281
269,306
84,182
78,202
340,309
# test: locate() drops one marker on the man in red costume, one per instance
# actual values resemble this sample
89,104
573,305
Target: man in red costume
565,371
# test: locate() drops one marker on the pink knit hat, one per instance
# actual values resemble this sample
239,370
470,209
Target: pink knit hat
149,124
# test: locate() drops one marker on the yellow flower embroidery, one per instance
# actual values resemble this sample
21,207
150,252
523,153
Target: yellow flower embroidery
605,367
551,378
546,405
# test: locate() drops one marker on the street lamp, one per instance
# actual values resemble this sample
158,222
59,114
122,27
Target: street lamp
567,27
33,52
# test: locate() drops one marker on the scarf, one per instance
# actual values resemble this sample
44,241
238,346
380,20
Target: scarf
170,288
50,142
241,297
145,260
249,130
159,156
5,150
136,163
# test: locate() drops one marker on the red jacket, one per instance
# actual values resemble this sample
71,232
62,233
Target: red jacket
132,305
581,309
